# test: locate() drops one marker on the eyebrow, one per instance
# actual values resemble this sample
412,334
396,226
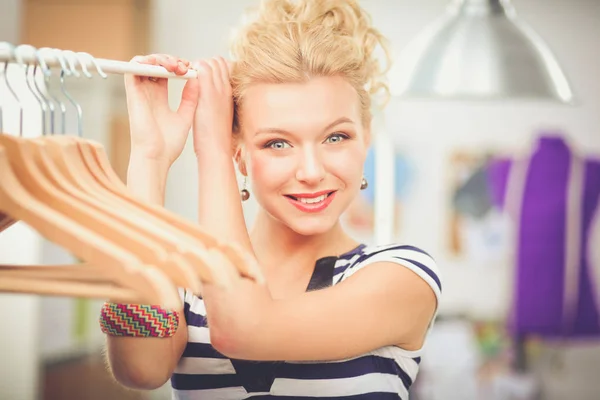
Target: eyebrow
338,121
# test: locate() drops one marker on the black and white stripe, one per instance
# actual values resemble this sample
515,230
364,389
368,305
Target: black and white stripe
385,373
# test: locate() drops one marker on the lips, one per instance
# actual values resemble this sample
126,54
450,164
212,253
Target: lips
313,202
309,195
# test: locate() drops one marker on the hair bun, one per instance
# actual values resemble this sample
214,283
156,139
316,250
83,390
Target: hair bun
286,40
341,16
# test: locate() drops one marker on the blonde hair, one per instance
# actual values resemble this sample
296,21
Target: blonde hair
292,41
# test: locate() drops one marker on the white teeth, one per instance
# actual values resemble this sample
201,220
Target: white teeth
313,200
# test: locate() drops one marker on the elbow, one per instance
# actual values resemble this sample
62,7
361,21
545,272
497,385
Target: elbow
242,341
244,333
226,342
235,342
140,378
138,374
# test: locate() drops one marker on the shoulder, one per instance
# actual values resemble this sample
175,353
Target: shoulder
414,258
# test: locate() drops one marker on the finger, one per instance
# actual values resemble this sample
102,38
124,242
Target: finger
216,73
167,62
189,101
204,74
165,56
147,59
182,67
164,60
225,72
185,62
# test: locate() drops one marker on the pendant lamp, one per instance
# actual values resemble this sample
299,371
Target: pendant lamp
479,50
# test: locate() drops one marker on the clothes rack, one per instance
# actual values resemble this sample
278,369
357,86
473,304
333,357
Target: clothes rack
27,54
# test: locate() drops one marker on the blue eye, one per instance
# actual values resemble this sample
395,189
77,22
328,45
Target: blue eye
336,138
277,144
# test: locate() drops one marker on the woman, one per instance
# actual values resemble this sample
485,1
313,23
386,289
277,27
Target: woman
301,81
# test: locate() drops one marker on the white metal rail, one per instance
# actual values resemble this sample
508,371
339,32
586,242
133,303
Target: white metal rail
80,62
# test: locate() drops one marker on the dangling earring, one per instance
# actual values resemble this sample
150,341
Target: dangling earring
244,193
364,184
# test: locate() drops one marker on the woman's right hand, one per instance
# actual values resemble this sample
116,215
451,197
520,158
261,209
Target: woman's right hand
157,132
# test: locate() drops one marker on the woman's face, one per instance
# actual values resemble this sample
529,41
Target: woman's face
304,150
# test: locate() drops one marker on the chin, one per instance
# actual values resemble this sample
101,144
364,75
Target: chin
305,224
315,225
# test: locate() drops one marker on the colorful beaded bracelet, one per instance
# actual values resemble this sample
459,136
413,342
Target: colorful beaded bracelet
138,320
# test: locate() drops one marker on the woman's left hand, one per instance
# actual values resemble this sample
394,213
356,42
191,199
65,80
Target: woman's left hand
214,113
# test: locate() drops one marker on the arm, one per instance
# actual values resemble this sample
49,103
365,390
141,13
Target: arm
387,301
219,204
146,363
158,136
395,305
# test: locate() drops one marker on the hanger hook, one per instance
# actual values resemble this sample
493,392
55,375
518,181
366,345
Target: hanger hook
94,61
45,80
11,90
70,57
48,106
73,71
64,71
81,63
60,57
27,66
11,49
47,72
7,45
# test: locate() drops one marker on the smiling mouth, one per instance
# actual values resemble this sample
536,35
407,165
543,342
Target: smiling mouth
310,200
311,203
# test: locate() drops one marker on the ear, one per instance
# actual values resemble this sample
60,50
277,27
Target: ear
239,157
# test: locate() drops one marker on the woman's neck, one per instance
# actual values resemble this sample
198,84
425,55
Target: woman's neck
276,244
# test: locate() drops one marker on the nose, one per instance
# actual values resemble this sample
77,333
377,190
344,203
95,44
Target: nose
310,169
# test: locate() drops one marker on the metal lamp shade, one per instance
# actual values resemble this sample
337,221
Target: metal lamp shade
480,50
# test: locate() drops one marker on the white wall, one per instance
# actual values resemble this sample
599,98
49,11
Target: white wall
431,130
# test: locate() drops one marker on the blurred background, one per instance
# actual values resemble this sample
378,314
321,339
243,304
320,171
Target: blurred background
487,156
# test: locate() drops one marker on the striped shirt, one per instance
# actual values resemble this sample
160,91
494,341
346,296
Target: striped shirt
384,373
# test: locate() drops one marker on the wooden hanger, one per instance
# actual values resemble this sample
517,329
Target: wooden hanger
6,222
98,176
47,287
76,161
68,159
147,282
93,155
63,280
194,234
43,183
74,272
192,241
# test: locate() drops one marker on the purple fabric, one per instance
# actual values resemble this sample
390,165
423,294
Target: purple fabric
587,318
539,278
